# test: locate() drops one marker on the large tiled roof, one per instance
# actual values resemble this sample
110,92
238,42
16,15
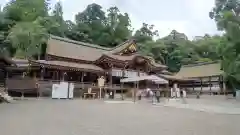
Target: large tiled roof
200,70
67,65
75,50
67,48
131,57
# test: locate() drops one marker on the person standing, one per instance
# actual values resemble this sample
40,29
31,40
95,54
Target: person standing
158,94
151,95
139,95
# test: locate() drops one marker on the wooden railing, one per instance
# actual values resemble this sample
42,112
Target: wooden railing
79,85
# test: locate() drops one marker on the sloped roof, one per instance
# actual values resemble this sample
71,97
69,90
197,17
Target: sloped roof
131,57
68,65
122,46
175,78
75,50
200,70
63,47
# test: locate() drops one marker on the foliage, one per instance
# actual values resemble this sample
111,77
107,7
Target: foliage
26,24
226,14
28,37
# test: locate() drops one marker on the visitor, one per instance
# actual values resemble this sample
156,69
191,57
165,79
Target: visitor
139,95
151,95
158,94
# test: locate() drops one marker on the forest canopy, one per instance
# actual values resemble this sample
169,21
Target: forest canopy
25,26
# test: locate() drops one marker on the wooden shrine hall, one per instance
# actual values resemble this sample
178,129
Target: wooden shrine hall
83,63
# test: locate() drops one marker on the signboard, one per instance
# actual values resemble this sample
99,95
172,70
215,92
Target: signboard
61,91
101,82
126,73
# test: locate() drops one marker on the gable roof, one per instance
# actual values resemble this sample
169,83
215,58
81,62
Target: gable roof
200,70
122,46
64,47
75,50
67,65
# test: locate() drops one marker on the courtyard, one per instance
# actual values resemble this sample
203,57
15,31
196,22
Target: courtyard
94,117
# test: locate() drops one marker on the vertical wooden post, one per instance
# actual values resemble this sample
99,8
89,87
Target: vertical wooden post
224,89
210,82
6,77
219,84
110,80
110,77
201,86
82,77
63,75
42,72
193,84
122,84
168,90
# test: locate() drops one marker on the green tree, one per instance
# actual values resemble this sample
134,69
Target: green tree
27,38
26,10
145,33
58,26
91,22
226,15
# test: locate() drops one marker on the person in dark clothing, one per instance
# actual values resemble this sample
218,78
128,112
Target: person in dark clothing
158,94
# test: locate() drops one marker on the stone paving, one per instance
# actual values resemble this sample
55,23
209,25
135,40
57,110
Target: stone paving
224,108
79,117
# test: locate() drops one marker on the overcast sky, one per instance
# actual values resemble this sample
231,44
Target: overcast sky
186,16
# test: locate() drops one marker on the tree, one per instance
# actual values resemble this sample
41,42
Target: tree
145,33
26,10
27,38
91,21
59,27
117,27
226,14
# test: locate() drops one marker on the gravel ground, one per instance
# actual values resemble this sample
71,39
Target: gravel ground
79,117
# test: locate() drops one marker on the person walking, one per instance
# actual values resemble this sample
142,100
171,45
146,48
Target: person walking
158,94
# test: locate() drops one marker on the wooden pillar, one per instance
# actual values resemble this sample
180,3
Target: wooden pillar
224,88
63,75
122,84
219,84
210,82
168,90
42,72
57,75
6,77
110,77
201,86
193,85
82,79
114,92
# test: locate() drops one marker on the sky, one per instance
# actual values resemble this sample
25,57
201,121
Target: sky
186,16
